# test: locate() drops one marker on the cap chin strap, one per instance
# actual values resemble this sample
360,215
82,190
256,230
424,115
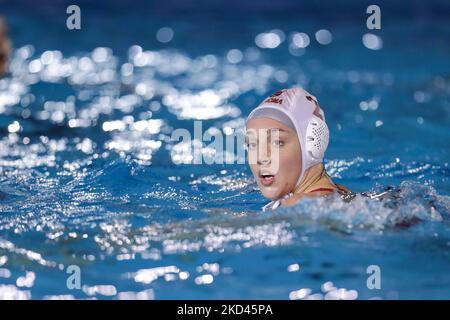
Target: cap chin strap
272,205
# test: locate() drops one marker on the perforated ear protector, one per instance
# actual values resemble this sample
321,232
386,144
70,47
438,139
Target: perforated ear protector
317,138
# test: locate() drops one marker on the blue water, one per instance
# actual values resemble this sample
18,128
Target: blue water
87,173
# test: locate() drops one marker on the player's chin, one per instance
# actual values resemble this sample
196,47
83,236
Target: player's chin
272,192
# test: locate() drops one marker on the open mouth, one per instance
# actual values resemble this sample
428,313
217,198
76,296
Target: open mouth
266,179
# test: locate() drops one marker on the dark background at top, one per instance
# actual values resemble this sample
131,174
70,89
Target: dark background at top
203,26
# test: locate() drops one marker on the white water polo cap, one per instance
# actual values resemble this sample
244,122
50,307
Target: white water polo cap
300,111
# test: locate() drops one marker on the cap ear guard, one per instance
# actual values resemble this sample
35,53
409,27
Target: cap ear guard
317,138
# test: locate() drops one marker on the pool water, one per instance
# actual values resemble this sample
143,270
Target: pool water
89,174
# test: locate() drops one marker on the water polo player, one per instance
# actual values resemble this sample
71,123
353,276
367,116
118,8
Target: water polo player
286,139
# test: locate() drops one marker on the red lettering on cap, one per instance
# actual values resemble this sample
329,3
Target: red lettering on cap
274,100
274,97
